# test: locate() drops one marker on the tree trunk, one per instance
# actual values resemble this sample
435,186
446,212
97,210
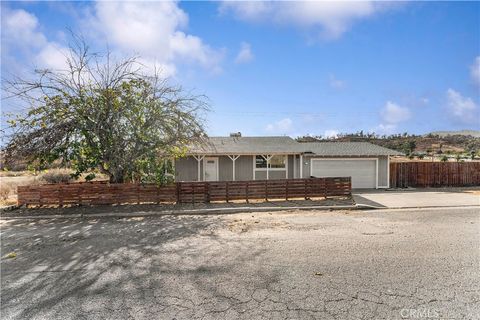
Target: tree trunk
117,177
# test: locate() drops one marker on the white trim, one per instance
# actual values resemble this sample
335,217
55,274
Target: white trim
270,169
294,166
198,158
330,159
388,175
301,166
267,169
267,157
286,166
217,165
233,158
388,172
239,153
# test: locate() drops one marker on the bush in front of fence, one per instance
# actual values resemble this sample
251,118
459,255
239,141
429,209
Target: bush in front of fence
56,176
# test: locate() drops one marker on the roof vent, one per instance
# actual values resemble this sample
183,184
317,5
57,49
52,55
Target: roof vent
236,134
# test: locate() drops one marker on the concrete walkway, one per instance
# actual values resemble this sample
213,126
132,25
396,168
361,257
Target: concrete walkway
418,198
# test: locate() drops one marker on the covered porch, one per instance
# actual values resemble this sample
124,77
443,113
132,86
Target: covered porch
239,167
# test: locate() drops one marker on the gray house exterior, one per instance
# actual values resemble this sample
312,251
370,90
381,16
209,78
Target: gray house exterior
239,158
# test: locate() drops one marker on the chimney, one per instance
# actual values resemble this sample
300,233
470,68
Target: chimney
236,134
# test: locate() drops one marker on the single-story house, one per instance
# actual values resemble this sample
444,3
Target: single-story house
259,158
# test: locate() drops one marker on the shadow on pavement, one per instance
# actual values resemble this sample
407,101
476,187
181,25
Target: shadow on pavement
362,201
66,269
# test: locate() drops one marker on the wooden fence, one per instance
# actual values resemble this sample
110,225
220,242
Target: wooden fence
93,193
434,174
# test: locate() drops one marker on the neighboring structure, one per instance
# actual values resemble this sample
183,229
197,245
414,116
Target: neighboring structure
259,158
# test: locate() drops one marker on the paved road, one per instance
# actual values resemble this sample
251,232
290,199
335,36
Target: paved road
296,265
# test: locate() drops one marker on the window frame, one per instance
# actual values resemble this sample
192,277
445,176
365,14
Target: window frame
285,157
255,162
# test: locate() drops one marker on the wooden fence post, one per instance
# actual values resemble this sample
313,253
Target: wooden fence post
177,192
138,193
80,191
207,192
305,188
286,190
227,196
60,195
325,191
266,190
193,193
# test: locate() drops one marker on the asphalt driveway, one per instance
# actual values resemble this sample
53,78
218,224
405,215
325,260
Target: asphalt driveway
377,264
418,198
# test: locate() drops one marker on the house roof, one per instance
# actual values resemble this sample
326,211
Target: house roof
283,145
247,145
347,149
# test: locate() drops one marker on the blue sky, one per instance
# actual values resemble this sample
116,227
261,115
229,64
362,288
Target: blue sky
280,68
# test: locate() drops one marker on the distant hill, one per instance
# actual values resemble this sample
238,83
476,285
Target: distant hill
473,133
449,142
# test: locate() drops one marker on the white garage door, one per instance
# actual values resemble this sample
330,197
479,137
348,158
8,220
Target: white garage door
363,172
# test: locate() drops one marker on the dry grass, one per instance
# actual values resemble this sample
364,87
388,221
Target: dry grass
15,173
10,180
56,176
8,187
9,184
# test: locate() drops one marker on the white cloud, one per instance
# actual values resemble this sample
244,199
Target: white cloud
53,56
333,18
21,32
336,83
461,108
246,10
21,28
283,126
385,129
330,133
393,113
245,54
475,70
154,30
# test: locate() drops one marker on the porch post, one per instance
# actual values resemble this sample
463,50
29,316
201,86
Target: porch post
286,166
233,158
301,166
198,158
294,166
267,157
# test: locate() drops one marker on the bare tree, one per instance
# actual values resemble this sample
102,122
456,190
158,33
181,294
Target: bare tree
104,115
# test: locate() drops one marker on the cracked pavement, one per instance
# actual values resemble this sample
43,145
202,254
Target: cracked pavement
389,264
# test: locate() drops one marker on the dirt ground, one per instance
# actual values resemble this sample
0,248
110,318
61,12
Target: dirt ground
150,208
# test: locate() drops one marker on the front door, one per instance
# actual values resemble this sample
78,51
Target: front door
210,169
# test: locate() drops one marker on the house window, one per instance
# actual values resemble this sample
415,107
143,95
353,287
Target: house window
260,162
276,162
